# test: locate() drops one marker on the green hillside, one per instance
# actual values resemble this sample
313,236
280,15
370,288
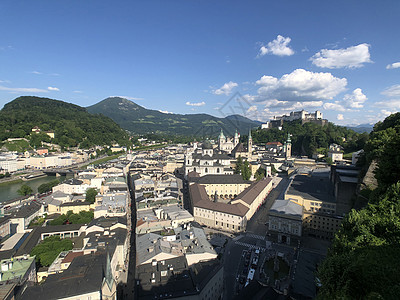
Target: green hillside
139,120
72,124
363,260
310,138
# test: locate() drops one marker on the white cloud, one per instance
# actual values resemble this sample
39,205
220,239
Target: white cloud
301,85
226,89
393,95
276,103
350,102
302,105
352,57
334,106
355,100
252,109
393,65
195,103
165,112
36,72
279,47
392,103
51,88
340,117
386,112
22,90
125,97
393,91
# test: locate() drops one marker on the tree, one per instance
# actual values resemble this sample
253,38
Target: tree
46,187
246,171
25,190
239,165
83,217
91,195
243,168
260,173
47,251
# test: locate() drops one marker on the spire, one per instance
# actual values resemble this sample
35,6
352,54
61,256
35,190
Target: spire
250,134
236,134
108,274
221,135
288,138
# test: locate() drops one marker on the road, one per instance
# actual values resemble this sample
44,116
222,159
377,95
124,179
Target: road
257,224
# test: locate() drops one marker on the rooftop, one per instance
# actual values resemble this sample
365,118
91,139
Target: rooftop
312,188
287,207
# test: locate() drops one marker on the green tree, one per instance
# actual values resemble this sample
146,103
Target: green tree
25,190
239,165
91,195
242,168
246,171
47,250
83,217
46,187
260,173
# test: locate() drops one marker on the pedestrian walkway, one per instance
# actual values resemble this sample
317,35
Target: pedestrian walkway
256,236
250,246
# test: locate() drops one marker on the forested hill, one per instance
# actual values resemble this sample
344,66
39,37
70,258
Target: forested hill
140,120
310,138
363,262
71,123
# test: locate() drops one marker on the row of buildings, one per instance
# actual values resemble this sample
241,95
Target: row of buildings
99,260
173,256
314,203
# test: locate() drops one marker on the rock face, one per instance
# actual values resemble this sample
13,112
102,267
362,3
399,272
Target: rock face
369,178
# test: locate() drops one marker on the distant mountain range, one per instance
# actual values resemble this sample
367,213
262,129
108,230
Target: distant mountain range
362,128
140,120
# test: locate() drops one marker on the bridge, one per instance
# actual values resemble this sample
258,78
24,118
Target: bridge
55,172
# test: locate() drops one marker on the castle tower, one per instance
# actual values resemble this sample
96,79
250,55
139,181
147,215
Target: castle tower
236,139
288,147
250,145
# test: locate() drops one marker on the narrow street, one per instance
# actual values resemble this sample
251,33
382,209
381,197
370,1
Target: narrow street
128,290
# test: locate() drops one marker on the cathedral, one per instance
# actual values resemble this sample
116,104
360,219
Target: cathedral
210,160
227,144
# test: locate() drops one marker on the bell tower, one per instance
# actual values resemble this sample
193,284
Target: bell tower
288,147
250,145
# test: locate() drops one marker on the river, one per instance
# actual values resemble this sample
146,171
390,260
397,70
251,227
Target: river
9,191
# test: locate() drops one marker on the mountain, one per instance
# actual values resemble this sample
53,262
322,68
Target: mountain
362,128
139,120
71,123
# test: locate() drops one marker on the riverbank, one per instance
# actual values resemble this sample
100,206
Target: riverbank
9,181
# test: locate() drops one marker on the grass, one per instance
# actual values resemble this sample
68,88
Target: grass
11,182
348,155
101,160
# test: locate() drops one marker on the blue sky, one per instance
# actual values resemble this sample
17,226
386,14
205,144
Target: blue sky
340,57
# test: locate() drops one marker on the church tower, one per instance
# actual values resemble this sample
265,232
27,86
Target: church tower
236,139
221,140
288,147
250,145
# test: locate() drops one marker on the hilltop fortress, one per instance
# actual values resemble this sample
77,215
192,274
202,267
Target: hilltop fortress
304,116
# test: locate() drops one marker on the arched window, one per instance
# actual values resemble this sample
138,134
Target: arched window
206,170
217,170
